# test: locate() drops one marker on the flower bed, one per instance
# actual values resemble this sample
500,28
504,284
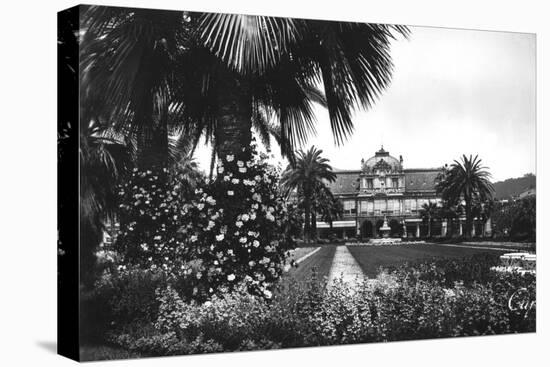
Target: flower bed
429,300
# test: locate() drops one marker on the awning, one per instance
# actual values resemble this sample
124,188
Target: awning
337,224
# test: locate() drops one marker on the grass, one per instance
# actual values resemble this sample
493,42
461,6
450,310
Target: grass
301,251
320,262
371,258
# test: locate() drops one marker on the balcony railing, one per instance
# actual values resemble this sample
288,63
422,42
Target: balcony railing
382,190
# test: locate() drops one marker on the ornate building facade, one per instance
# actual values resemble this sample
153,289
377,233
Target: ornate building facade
383,188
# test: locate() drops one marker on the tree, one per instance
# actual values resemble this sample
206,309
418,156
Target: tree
326,205
127,62
310,172
429,212
280,61
516,219
220,71
104,159
466,181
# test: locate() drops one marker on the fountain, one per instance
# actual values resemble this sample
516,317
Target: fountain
384,230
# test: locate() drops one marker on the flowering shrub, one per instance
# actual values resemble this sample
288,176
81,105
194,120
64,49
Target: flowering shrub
235,229
390,308
150,218
239,227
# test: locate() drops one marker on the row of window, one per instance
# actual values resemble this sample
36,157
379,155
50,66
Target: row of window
384,182
389,206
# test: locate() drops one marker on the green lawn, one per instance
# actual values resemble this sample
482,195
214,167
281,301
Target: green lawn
320,261
370,258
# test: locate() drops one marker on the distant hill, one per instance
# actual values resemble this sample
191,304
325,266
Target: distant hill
514,186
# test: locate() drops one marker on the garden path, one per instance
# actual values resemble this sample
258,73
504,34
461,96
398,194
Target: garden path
345,266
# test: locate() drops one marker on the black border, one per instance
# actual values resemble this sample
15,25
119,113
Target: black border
68,339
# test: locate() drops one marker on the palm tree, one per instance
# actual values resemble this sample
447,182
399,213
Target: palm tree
428,212
327,206
310,172
466,181
128,78
281,61
216,71
104,159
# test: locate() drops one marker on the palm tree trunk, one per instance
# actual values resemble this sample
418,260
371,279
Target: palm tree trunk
468,218
429,227
234,117
314,225
152,137
307,219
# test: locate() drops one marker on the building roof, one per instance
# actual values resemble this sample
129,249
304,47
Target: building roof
382,158
416,180
422,179
347,182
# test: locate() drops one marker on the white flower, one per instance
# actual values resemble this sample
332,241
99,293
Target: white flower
240,163
230,193
239,224
207,303
226,178
230,252
219,237
242,240
242,169
251,263
200,206
199,275
230,157
270,217
194,238
157,238
286,268
245,217
256,243
267,294
235,181
220,169
144,246
231,277
257,197
253,216
210,200
210,225
257,178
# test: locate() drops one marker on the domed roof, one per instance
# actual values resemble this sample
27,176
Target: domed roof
382,160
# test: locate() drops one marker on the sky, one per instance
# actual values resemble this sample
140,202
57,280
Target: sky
453,92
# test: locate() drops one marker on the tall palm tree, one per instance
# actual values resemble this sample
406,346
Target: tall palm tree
281,61
466,180
218,70
309,174
429,212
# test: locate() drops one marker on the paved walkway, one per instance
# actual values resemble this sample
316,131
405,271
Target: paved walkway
344,266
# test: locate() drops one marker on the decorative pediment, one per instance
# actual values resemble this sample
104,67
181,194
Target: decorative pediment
382,165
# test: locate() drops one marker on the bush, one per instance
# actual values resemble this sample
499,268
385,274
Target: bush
236,229
410,302
120,301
